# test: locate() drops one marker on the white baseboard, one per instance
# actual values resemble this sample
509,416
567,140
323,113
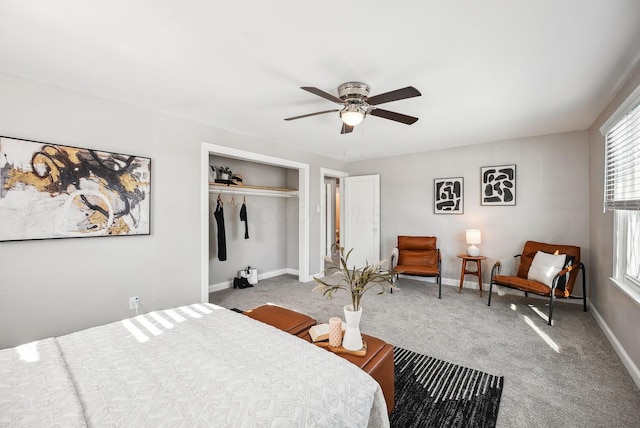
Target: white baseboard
265,275
220,286
445,281
628,363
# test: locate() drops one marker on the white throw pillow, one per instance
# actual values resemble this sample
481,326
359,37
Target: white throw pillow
545,266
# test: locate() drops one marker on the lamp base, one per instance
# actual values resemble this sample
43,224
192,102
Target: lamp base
473,251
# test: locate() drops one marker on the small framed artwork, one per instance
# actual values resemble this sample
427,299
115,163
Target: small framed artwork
448,195
56,191
498,185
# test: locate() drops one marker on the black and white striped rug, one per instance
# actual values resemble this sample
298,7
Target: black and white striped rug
433,393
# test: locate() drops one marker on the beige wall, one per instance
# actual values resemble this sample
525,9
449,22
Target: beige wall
618,315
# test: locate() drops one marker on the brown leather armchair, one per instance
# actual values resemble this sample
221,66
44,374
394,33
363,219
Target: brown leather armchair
561,284
418,256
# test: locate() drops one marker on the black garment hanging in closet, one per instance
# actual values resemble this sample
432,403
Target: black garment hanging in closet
243,217
222,238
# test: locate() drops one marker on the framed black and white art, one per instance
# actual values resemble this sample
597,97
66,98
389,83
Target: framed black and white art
448,195
498,185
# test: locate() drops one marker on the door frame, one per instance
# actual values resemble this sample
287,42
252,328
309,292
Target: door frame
327,173
303,207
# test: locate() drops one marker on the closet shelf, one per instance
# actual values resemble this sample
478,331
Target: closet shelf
252,190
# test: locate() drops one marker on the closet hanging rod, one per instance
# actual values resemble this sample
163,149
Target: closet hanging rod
281,193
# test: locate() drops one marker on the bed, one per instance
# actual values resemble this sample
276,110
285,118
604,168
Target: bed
196,365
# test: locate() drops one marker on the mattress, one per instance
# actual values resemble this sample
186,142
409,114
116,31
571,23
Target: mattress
197,365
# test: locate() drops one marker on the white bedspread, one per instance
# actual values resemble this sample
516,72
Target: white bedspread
203,365
36,389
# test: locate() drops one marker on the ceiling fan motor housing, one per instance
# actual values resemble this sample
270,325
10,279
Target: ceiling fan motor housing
353,90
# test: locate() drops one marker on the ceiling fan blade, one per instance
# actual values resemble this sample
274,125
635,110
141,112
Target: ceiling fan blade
312,114
322,94
392,115
346,128
398,94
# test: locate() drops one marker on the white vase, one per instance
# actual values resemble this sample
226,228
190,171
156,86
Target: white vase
352,340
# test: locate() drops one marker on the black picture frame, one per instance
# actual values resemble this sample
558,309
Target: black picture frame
448,195
498,185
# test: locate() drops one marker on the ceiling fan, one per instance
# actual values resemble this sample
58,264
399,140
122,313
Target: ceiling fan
356,104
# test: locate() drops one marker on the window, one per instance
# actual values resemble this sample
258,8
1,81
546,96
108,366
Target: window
622,190
627,266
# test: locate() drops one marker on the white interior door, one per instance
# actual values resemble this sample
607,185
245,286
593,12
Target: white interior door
361,219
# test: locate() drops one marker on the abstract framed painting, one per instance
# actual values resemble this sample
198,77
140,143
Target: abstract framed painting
55,191
448,195
498,185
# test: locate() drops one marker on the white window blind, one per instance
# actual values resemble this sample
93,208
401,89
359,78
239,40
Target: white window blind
622,162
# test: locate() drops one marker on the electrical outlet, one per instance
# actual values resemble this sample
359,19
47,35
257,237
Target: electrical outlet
133,303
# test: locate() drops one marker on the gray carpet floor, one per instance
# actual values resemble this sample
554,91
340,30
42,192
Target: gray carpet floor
565,375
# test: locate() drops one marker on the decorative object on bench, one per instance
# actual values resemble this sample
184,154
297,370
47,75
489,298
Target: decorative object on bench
331,332
335,331
357,281
418,256
546,270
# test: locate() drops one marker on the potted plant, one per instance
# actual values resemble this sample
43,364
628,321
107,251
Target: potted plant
224,172
357,281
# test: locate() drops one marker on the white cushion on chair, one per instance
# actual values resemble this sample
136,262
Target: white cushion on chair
545,267
395,255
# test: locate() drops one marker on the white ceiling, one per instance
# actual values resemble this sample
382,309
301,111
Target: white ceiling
488,70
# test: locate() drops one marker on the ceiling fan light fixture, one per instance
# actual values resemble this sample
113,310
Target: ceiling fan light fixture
352,114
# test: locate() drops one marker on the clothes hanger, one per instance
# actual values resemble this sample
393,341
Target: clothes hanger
220,199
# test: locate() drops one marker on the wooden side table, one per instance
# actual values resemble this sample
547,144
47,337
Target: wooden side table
478,272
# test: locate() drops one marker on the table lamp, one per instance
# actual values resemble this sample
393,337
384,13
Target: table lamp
473,238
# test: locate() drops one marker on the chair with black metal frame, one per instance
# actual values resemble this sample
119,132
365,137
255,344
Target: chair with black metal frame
562,283
418,256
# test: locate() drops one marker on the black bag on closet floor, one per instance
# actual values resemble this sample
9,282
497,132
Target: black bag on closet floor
241,283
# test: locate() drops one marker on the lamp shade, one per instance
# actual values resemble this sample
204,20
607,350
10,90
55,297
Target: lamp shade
473,237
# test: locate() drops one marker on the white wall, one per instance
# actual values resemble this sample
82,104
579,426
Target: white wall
618,315
552,198
52,287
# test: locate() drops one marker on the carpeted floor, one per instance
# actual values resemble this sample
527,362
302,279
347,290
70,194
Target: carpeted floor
563,375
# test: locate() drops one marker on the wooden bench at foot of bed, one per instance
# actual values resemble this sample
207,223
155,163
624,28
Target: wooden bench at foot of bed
282,318
378,361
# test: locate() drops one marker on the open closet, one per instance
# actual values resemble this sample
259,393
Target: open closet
259,205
